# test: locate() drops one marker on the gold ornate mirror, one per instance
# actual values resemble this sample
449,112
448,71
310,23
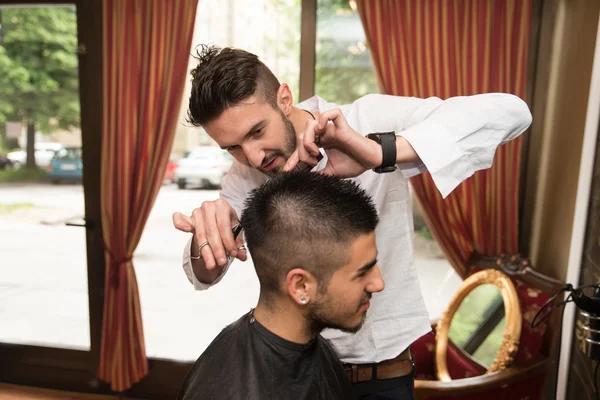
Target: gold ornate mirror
482,321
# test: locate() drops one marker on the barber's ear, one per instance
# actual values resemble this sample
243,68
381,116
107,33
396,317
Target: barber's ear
285,99
301,286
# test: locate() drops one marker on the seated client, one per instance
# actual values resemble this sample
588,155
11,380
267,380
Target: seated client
312,240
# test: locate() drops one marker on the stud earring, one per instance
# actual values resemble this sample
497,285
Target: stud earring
302,300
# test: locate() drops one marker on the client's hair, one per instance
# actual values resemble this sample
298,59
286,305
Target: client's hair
304,220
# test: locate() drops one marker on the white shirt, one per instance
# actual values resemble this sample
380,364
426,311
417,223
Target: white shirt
453,138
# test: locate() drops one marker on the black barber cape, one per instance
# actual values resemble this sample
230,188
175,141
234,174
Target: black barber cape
247,361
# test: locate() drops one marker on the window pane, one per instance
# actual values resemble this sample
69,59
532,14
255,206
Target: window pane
179,322
268,28
43,263
437,278
343,71
486,353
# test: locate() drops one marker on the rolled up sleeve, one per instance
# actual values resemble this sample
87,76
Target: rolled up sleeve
189,270
456,137
233,191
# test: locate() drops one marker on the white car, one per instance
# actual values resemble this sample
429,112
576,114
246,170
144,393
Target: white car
203,167
43,155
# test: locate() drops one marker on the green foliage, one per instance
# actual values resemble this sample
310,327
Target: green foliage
329,6
38,67
345,82
486,352
343,71
23,175
471,315
424,232
285,45
12,207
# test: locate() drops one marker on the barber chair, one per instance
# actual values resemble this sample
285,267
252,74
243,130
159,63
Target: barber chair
483,346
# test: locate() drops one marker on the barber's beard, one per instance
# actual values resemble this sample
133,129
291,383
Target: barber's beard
290,136
289,143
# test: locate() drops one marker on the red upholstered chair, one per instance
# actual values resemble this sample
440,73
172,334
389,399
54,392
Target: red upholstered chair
533,363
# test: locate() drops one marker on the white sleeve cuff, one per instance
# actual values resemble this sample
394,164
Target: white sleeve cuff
189,270
411,169
441,155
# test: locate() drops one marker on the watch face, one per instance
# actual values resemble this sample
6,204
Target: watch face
375,137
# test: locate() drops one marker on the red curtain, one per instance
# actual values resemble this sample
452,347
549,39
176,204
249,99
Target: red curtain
449,48
145,59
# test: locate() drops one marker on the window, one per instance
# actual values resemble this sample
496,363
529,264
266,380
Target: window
343,71
268,28
481,311
43,274
179,323
46,301
438,280
69,153
208,153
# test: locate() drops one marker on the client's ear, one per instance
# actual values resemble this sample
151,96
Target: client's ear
301,286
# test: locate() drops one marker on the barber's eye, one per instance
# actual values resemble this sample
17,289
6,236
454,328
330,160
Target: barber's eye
258,132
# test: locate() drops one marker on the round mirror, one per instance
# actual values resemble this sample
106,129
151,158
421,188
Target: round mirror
480,329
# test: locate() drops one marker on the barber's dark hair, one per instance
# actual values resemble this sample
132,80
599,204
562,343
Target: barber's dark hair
225,77
304,220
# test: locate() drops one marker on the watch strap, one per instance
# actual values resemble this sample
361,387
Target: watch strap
387,140
388,147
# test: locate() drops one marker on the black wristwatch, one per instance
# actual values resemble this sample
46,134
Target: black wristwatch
387,140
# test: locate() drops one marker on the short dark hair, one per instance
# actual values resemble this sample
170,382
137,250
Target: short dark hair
304,220
225,77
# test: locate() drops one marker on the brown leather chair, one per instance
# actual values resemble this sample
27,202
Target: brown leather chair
534,363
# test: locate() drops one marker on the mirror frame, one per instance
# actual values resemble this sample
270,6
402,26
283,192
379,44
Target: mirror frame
512,314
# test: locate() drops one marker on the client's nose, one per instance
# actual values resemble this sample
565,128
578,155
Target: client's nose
376,283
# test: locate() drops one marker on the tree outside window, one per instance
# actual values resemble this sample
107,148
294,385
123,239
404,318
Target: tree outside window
343,71
39,81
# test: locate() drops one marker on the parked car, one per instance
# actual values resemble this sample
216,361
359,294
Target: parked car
44,152
170,171
5,162
66,165
203,167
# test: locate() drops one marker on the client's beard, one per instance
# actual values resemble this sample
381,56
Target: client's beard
317,326
317,322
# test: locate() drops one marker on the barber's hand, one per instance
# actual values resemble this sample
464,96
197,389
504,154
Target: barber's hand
349,153
212,222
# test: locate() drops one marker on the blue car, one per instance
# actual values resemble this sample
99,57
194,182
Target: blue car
66,165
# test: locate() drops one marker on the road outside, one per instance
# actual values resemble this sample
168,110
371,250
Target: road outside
43,276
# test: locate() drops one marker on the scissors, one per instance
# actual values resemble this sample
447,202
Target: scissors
237,228
306,167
